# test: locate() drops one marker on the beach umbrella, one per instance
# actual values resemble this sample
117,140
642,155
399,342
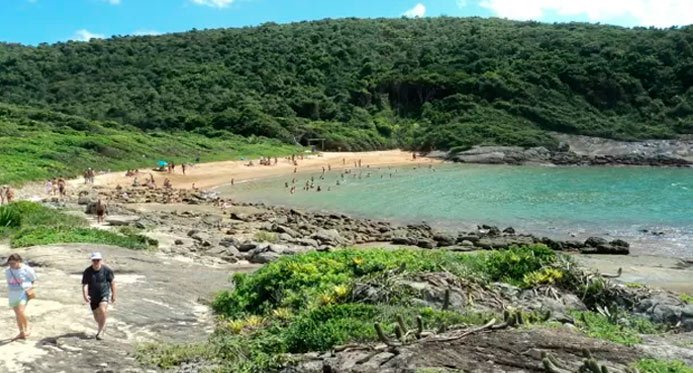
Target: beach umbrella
163,163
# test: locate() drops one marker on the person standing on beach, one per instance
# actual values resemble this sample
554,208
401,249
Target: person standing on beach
20,282
98,289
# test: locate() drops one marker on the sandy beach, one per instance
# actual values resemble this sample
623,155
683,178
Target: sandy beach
209,175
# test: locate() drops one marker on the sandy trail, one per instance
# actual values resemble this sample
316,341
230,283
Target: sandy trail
208,175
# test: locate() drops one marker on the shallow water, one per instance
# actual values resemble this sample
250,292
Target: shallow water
556,201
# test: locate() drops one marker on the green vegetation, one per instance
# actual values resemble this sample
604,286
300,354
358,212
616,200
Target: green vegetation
618,328
660,366
362,84
28,224
39,144
308,302
688,299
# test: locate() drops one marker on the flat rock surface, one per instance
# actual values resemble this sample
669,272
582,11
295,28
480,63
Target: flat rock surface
160,298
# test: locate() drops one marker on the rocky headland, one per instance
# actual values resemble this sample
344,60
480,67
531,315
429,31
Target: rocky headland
577,150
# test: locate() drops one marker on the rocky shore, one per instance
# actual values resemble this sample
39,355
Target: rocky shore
583,151
259,233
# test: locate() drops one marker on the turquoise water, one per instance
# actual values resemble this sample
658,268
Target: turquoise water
556,201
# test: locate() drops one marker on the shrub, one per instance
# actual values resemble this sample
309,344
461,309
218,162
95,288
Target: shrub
661,366
620,328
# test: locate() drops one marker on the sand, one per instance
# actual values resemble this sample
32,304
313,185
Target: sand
212,174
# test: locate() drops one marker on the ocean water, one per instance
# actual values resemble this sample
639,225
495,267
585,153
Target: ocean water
559,202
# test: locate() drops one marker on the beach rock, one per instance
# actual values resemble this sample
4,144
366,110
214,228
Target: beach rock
230,242
285,230
553,245
619,243
178,242
612,250
263,256
239,216
467,237
426,243
307,242
409,241
247,246
444,239
121,221
595,241
328,236
85,200
662,307
467,243
509,231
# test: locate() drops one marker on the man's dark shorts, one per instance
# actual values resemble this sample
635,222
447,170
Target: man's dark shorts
96,302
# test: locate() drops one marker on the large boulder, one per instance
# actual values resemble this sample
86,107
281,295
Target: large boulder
444,239
328,237
663,308
595,241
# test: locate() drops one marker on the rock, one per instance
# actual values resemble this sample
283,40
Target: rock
307,242
85,200
263,257
563,147
324,248
285,230
239,216
120,221
247,246
284,237
192,232
409,241
612,250
595,241
328,236
229,242
553,245
619,243
662,307
444,239
509,231
467,237
178,242
426,243
467,243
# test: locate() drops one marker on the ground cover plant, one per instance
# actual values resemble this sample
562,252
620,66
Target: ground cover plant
40,144
28,224
310,302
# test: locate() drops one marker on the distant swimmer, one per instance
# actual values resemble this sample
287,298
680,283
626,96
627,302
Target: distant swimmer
329,167
182,167
232,181
295,169
293,190
167,184
61,188
286,184
318,190
343,161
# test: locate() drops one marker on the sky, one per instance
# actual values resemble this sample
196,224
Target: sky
37,21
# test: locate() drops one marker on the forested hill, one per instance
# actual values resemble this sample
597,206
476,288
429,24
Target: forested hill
363,84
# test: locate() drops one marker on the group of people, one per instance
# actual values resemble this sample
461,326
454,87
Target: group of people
6,195
98,290
89,176
54,186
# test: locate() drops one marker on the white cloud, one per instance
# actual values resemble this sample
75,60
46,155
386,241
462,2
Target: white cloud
85,35
214,3
146,32
419,10
461,3
660,13
113,2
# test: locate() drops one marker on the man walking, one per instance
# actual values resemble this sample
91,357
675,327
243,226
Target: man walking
98,289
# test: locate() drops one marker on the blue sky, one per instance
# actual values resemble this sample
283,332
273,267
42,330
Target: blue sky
36,21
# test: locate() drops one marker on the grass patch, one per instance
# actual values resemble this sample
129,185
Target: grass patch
685,298
39,144
29,224
662,366
264,236
621,328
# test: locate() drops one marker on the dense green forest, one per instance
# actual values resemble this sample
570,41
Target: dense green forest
369,84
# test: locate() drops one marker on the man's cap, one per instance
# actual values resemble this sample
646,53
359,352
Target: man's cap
95,255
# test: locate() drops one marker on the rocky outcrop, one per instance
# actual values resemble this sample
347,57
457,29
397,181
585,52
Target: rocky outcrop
585,151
